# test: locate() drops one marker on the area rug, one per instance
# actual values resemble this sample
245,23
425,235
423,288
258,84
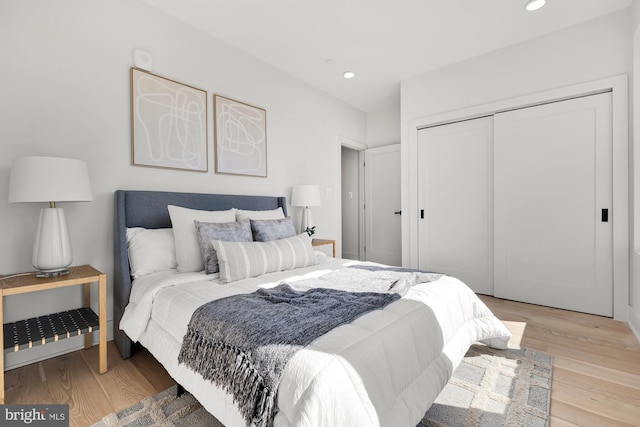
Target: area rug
490,388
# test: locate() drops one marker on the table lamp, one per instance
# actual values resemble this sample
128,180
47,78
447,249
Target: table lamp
305,196
50,179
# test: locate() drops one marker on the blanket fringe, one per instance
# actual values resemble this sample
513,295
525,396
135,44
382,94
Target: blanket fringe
255,400
242,342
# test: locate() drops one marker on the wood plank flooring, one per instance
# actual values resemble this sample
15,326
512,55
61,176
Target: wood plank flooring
596,376
596,369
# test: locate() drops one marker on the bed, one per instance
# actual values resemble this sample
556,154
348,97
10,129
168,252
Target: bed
382,369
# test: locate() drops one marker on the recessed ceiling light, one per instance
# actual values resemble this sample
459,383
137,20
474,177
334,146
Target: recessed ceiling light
349,74
532,5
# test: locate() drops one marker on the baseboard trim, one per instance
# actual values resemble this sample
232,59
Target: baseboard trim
350,255
634,322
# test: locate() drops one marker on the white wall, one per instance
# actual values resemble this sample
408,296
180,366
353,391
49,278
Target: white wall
589,51
383,123
65,79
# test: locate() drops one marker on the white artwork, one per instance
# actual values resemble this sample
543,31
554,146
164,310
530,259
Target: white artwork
241,138
168,123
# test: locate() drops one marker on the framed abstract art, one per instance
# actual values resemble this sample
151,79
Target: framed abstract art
240,138
168,123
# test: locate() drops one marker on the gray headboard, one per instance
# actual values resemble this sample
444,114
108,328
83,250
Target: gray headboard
148,209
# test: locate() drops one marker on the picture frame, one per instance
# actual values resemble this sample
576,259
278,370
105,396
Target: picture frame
168,123
240,138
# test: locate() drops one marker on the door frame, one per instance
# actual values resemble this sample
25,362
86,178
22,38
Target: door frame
343,141
618,85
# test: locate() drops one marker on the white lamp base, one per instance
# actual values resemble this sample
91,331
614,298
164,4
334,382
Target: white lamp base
306,221
52,249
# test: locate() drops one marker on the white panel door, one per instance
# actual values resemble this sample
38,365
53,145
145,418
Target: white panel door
455,185
553,178
383,241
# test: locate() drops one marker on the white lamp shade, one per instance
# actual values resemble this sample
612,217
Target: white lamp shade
305,195
49,179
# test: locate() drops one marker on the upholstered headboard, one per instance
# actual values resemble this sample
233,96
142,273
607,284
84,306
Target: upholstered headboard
148,209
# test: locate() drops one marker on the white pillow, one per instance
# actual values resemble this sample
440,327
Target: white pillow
150,250
272,214
186,238
240,260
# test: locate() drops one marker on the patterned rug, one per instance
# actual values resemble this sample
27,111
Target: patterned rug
495,388
490,388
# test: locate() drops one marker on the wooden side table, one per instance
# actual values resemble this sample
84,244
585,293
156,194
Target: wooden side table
27,333
320,242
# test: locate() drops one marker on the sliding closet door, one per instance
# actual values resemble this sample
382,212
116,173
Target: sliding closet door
455,185
553,198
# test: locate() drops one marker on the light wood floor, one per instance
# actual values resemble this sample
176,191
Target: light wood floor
596,373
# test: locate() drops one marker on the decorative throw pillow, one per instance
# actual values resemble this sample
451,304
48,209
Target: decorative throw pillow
270,214
240,260
228,231
150,250
265,230
186,239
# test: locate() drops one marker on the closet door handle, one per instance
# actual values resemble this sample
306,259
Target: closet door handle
605,215
397,213
421,213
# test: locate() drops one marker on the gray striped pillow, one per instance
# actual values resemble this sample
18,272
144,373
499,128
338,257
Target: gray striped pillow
240,260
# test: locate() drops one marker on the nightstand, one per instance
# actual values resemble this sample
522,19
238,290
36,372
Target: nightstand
320,242
41,330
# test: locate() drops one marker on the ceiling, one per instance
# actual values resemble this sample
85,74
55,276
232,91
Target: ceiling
382,41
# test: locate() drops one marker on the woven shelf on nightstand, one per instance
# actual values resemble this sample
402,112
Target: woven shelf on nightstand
53,327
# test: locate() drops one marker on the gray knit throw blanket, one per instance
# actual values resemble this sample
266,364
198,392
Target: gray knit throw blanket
243,342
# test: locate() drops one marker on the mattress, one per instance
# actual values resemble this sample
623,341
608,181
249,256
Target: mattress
383,369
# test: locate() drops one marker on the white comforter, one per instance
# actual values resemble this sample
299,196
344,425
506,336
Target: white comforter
383,369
